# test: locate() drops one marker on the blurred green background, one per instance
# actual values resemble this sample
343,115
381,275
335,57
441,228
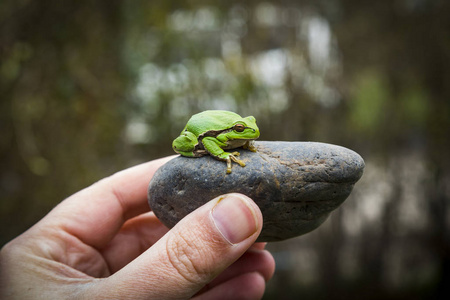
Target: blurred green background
91,87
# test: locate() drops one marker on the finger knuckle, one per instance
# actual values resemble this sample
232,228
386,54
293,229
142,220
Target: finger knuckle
189,258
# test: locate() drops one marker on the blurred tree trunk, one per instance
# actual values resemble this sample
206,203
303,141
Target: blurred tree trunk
410,43
62,86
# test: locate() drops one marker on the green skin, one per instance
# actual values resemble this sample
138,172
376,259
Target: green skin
213,131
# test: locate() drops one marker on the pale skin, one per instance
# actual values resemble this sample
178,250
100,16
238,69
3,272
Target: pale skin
103,243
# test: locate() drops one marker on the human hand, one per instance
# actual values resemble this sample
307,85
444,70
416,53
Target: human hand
102,243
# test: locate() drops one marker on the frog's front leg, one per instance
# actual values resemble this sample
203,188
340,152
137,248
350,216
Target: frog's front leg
228,157
250,145
213,146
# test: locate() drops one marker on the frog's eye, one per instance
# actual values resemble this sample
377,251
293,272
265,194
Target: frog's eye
239,127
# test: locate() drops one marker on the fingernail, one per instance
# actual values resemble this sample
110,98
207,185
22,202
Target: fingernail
235,218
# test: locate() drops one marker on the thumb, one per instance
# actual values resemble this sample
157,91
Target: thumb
193,253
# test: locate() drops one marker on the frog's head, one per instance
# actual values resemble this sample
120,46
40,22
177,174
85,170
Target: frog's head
244,129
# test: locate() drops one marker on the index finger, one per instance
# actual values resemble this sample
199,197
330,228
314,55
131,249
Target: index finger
95,214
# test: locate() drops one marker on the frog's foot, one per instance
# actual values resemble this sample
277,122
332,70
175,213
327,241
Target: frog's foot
232,157
250,145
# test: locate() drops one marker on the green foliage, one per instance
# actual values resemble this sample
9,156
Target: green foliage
415,105
369,103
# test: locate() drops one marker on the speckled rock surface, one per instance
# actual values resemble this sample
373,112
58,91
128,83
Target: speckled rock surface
295,184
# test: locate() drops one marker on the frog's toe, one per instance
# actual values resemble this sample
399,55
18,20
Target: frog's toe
235,153
250,146
228,165
236,160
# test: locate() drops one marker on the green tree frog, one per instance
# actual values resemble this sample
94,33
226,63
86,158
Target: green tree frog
213,131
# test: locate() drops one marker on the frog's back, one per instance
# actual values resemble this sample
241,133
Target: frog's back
211,120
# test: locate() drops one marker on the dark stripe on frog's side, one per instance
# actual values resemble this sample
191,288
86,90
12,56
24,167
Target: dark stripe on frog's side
199,149
214,133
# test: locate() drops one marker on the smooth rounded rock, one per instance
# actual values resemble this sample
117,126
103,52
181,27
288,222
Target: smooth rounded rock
295,184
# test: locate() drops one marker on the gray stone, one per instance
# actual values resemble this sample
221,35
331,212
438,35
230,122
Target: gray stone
295,184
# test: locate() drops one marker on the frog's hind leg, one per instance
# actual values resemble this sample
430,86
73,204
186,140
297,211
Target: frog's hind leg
185,143
198,153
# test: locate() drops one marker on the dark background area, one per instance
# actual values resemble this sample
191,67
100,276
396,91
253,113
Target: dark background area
88,88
